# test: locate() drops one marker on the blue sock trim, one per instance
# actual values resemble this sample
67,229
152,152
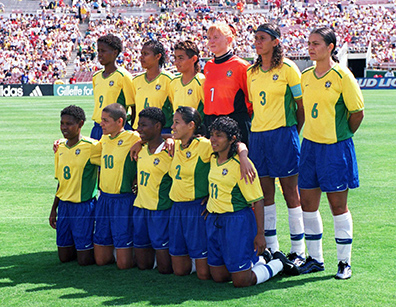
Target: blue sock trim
271,273
270,232
343,241
296,237
313,236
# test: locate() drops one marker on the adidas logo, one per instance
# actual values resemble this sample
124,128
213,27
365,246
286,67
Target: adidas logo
36,92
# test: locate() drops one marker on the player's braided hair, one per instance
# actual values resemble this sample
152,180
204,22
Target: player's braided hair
230,127
157,48
74,111
191,49
154,114
277,54
112,41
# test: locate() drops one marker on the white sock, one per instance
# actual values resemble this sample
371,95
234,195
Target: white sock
270,228
115,254
313,234
193,267
264,272
155,262
296,226
343,232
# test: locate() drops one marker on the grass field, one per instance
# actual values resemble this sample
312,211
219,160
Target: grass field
31,274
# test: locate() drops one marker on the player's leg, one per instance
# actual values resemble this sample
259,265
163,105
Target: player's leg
296,223
86,257
181,265
103,254
164,261
125,258
202,268
220,273
268,187
67,254
145,258
64,236
145,254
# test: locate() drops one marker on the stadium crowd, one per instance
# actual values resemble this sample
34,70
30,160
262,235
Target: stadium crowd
40,45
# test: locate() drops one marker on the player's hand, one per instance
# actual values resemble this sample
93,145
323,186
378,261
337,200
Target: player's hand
259,244
247,171
134,151
52,219
205,214
204,200
170,146
55,146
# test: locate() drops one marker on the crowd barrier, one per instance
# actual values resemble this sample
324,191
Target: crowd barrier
85,89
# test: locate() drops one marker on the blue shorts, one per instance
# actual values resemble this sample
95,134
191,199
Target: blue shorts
151,228
75,224
187,230
275,153
114,220
330,167
97,132
231,239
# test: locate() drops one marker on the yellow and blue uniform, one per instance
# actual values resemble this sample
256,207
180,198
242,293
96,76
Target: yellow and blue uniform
328,158
189,171
115,88
153,93
77,178
188,95
114,214
274,143
231,224
152,204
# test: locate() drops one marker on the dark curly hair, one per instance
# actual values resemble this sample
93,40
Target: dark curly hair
74,111
112,41
277,54
116,111
191,49
157,48
230,127
156,115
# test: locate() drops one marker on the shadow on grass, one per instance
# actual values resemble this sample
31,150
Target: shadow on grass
116,287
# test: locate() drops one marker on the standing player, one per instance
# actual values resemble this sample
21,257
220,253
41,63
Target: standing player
152,205
110,84
152,88
236,234
187,89
333,105
77,187
114,211
225,86
275,93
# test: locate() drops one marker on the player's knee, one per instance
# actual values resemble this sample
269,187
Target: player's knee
203,275
181,271
165,270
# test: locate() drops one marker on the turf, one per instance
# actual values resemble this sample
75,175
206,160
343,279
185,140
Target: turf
31,274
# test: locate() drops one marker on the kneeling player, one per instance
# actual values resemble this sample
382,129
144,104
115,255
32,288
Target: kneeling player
77,186
235,233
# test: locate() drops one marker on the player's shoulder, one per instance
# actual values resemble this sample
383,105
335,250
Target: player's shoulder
177,78
123,72
289,63
239,61
139,76
88,140
167,75
97,73
200,78
342,71
308,70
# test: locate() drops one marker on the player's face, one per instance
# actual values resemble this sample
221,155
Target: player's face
148,130
182,62
220,142
218,43
317,48
106,55
148,59
181,129
109,125
264,43
69,127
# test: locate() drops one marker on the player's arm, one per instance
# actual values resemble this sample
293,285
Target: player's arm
247,169
259,240
355,119
300,115
53,214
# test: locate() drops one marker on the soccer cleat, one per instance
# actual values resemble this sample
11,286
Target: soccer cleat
267,255
344,271
310,266
289,267
296,259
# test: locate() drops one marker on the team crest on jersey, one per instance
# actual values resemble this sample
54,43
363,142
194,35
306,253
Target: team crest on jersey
327,84
120,142
156,161
188,154
224,172
189,92
229,73
275,77
78,151
111,83
158,87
